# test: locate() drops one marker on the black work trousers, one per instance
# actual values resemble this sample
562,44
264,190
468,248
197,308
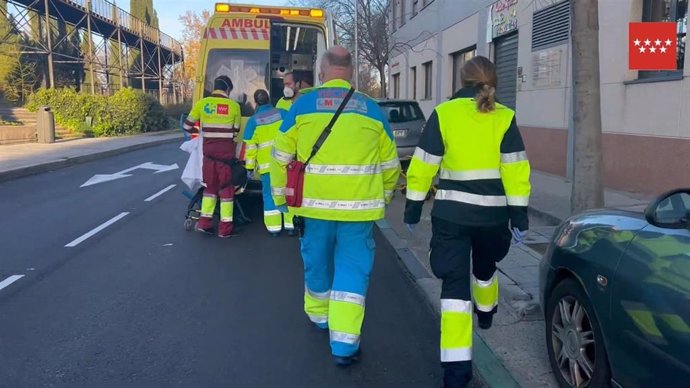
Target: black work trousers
464,257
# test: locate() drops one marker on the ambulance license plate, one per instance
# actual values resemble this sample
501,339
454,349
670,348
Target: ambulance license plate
400,133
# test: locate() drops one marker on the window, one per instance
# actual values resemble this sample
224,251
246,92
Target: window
246,68
394,18
402,12
396,85
401,112
459,60
428,79
414,83
668,11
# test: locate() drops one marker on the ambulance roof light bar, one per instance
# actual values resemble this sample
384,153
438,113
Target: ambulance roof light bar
226,8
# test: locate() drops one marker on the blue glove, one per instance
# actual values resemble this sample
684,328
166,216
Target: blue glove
411,227
282,208
519,236
250,174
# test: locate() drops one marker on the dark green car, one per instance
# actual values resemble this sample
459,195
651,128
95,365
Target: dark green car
615,289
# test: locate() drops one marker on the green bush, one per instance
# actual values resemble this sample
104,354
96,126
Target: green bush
126,112
178,109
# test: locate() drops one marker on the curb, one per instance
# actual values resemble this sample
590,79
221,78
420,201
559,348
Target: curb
68,162
544,216
491,370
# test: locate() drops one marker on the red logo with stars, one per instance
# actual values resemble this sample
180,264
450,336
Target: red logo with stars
652,46
223,109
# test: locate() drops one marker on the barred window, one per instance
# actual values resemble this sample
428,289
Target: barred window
668,11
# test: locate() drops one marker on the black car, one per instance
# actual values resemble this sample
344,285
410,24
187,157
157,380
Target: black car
615,289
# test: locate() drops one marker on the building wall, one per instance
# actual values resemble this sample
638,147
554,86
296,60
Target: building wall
646,126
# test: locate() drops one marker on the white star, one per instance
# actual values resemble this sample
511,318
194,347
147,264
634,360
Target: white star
647,42
637,42
653,49
657,42
663,50
668,42
642,49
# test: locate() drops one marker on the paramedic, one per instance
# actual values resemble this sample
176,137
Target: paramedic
220,122
346,188
289,92
484,187
259,134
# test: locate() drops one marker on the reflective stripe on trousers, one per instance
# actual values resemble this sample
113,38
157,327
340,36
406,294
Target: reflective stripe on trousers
456,330
485,293
343,268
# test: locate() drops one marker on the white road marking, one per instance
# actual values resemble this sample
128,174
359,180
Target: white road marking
10,280
98,229
158,194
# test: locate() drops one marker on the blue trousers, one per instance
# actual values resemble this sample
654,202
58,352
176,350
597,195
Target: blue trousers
338,259
273,218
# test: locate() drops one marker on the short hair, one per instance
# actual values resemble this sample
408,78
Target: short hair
223,83
304,76
261,97
336,60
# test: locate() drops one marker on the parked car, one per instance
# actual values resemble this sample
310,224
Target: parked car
615,289
407,121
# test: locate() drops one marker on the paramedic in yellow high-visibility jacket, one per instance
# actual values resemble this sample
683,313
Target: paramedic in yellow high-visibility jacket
347,186
481,204
259,133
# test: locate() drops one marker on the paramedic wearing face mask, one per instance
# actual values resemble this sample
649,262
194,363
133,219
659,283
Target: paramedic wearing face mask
289,92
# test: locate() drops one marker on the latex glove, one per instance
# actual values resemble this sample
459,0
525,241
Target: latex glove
411,227
282,208
519,236
250,174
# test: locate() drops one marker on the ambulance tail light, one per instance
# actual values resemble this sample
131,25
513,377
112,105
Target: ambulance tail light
222,7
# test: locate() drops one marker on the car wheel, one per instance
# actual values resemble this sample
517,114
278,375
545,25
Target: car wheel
574,340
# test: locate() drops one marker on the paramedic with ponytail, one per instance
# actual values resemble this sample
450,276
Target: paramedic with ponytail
481,204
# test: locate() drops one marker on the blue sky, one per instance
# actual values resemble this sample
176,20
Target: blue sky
170,10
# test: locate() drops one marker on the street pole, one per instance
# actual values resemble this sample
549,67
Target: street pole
588,188
356,44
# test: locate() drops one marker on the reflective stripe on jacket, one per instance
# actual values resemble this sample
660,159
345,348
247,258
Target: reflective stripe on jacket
259,134
484,171
353,175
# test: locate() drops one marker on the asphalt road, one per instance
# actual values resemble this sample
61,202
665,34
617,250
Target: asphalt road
142,302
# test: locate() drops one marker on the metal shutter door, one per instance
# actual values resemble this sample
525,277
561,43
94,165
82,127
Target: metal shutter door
506,58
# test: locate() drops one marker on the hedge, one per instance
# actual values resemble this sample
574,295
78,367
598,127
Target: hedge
127,112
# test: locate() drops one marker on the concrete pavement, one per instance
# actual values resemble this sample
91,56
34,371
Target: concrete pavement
18,160
138,301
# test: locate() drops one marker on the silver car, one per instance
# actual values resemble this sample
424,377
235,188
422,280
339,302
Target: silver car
407,121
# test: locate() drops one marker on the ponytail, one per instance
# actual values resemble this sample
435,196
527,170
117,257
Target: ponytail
486,98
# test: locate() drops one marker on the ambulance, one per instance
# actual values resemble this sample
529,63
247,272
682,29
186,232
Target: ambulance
256,46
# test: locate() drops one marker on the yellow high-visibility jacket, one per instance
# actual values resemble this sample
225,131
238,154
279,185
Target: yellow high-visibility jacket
353,175
484,170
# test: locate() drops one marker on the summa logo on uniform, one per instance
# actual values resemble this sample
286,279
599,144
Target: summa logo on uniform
223,109
330,101
209,109
652,46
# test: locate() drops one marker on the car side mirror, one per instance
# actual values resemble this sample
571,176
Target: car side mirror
670,210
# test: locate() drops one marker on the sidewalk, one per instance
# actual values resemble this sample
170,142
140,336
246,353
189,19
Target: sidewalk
517,339
18,160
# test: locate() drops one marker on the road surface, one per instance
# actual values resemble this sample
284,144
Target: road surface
99,286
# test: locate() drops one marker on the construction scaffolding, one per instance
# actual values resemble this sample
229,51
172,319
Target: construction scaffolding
115,49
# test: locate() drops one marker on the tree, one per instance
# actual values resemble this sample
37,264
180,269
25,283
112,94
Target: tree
375,45
588,191
22,79
193,25
142,10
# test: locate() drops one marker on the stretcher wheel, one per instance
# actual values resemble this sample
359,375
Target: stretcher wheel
188,224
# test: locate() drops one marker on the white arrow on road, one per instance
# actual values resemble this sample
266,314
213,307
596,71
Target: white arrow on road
101,178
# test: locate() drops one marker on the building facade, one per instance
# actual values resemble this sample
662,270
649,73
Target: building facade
645,114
